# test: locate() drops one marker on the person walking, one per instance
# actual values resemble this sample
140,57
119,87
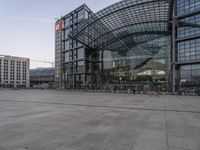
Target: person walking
134,90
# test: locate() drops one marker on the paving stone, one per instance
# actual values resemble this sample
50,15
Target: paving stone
61,120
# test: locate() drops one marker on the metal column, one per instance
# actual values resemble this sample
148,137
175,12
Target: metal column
173,57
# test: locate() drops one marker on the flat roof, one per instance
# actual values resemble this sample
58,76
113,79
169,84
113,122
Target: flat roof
9,56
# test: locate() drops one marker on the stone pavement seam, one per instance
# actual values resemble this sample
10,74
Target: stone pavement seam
166,130
103,106
195,139
133,144
166,125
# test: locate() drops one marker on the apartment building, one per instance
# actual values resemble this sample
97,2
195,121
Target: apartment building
14,71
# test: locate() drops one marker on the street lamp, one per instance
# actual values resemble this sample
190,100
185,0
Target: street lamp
120,79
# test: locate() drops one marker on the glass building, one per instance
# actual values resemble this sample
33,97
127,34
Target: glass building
71,57
42,77
145,44
186,43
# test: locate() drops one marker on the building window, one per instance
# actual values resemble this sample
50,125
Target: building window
67,57
186,6
80,66
189,50
187,26
75,54
80,53
71,55
86,14
88,55
67,31
75,44
67,21
190,73
71,68
66,45
81,14
70,44
88,67
88,79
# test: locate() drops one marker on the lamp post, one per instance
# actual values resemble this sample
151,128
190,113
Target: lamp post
120,79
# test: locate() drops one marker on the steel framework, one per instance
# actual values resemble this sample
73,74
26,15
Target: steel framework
143,27
125,24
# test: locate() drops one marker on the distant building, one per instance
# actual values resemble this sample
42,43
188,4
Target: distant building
42,78
14,71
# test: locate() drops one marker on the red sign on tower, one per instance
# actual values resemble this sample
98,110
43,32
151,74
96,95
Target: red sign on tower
58,27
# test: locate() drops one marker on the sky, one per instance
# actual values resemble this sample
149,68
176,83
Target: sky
27,26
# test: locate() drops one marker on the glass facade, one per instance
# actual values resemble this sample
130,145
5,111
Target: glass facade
80,53
189,50
188,44
135,67
187,6
81,14
189,26
67,21
134,43
67,47
58,54
72,54
190,76
129,43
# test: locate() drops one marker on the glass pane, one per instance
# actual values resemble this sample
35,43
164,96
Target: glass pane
81,53
81,14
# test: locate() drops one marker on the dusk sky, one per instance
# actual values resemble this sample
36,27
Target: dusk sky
27,26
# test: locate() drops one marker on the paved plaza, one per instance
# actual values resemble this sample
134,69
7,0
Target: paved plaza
58,120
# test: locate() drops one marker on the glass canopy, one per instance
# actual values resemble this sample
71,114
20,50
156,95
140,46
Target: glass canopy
125,24
132,42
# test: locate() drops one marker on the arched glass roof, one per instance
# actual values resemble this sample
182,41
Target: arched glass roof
126,24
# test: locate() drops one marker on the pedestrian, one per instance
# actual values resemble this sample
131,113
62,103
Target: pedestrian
134,90
179,91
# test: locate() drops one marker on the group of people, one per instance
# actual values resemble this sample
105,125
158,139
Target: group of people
187,91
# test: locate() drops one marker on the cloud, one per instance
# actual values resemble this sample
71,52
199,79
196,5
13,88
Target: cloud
44,20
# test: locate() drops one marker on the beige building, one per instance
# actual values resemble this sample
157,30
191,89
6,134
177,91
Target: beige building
14,71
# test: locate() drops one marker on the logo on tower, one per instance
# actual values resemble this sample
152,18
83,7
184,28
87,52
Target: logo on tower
58,27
